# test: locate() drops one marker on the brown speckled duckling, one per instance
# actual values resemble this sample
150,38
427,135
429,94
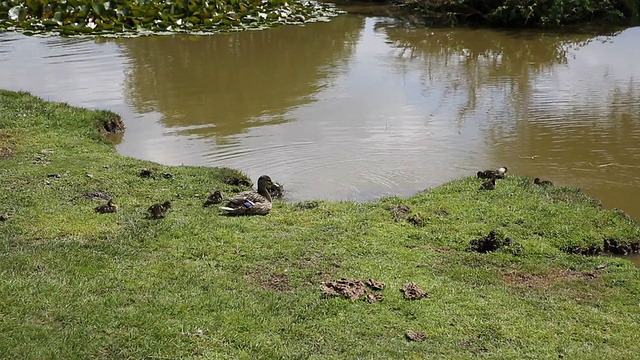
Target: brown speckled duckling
108,208
214,198
158,210
489,184
537,181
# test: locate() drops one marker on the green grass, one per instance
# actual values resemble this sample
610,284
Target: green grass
76,284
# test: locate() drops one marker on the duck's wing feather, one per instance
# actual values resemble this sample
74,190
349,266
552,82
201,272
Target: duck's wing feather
246,198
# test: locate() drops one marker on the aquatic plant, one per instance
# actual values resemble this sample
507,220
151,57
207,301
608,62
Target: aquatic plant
141,17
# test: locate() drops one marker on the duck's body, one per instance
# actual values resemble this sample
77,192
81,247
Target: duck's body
214,198
489,184
537,181
158,210
108,208
487,174
251,202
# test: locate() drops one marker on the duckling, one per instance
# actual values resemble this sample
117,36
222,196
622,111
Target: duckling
487,174
251,202
537,181
214,198
501,172
489,184
110,207
4,217
158,210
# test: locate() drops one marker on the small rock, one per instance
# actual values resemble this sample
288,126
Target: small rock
415,335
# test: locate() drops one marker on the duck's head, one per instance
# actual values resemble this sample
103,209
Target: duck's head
536,181
264,181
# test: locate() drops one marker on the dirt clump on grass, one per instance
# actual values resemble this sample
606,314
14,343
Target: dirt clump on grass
489,243
417,336
112,125
97,195
411,291
416,220
352,288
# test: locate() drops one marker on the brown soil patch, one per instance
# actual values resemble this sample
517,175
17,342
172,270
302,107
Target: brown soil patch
375,285
8,143
488,243
411,291
112,125
415,335
400,212
544,280
354,289
269,279
349,288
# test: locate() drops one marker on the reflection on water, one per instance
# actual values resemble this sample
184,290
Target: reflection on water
360,108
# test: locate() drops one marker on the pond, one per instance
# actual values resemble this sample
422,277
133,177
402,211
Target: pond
361,107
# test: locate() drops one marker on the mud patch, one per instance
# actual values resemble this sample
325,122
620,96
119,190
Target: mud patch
112,125
400,212
411,291
417,336
268,278
544,280
489,243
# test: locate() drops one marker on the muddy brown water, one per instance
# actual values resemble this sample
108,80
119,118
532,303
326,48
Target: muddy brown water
361,107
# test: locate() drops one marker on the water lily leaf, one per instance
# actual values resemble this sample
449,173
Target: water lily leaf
35,6
17,13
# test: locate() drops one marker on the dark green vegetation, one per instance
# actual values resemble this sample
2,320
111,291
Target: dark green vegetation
78,284
144,16
524,13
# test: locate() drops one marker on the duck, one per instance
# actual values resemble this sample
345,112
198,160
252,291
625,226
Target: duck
487,174
215,198
158,210
251,202
501,172
489,184
537,181
107,208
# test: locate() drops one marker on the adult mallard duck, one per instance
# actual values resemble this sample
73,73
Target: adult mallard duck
214,198
158,210
537,181
251,202
110,207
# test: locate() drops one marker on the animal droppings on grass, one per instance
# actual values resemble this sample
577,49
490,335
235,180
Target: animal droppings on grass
400,212
349,288
417,336
371,297
112,125
375,285
411,291
489,243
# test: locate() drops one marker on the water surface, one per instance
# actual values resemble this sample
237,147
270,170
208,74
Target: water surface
360,107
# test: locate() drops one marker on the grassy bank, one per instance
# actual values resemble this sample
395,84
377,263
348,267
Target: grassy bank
77,284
